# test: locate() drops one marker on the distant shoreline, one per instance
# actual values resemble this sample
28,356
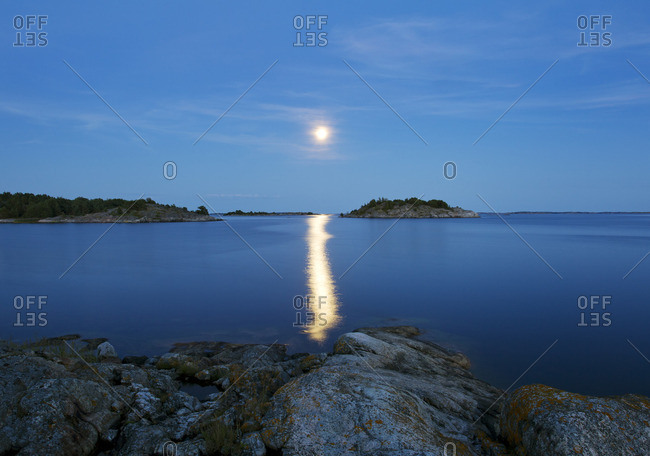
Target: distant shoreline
88,222
151,214
239,213
563,212
103,218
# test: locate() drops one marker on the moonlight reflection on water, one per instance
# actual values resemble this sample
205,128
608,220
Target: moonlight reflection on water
323,299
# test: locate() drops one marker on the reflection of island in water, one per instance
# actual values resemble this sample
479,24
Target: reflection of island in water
322,289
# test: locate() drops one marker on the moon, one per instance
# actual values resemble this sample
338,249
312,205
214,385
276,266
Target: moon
321,133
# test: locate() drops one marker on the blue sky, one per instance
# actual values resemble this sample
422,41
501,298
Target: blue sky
576,141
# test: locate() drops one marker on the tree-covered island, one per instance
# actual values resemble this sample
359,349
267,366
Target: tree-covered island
30,208
409,208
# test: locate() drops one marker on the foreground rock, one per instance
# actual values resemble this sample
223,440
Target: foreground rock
538,420
383,391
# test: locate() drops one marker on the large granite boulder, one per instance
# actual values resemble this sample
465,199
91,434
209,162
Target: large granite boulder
44,409
58,402
538,420
383,393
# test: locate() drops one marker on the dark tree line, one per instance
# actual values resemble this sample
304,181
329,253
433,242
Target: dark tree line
28,205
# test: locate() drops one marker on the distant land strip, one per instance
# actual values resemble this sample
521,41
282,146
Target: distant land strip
567,212
262,213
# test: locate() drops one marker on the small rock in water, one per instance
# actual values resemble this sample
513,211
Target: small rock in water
105,351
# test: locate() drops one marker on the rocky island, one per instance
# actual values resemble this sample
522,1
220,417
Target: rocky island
30,208
381,391
409,208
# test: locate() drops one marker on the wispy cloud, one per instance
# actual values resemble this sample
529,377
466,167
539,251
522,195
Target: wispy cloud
256,125
46,113
463,66
432,47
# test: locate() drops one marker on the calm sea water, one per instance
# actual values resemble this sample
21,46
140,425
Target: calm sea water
471,284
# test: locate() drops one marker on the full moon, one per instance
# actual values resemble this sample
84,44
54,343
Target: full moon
321,133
